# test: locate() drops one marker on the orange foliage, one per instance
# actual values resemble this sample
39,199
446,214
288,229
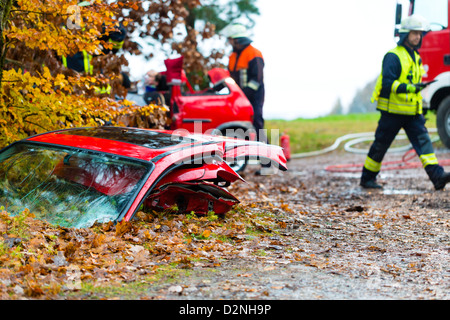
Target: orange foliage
38,93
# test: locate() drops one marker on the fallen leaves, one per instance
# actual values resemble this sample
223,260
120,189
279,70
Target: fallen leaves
37,260
206,233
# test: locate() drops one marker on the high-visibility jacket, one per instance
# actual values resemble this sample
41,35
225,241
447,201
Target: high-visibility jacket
81,62
246,68
411,73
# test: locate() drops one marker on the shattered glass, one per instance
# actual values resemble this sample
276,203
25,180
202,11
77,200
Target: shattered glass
67,187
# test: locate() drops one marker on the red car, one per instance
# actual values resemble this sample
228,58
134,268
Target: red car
223,108
75,177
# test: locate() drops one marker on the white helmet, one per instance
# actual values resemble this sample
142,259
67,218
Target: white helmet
414,22
235,31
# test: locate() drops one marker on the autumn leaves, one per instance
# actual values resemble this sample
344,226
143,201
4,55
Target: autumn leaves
37,260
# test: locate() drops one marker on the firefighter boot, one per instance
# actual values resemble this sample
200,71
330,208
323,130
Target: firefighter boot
370,184
440,183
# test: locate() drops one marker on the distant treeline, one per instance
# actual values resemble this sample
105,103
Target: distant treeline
360,103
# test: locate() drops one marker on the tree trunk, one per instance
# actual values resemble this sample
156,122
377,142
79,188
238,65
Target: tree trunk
5,9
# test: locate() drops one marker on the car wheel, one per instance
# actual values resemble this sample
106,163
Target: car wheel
237,165
443,121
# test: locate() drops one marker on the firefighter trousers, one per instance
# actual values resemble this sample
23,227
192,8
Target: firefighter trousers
257,101
389,126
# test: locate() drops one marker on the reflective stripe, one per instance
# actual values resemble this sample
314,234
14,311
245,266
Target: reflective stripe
428,159
397,108
103,90
243,77
88,67
395,85
253,85
372,165
116,44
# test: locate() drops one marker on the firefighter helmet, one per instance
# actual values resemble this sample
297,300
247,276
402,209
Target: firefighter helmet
414,22
235,30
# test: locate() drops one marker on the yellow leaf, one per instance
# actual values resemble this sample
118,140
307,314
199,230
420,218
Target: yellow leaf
206,233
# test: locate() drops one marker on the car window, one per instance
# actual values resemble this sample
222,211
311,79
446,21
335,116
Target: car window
67,187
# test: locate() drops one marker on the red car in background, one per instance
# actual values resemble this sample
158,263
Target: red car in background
222,108
76,177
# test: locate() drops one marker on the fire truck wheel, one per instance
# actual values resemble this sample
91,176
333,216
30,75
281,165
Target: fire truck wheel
443,121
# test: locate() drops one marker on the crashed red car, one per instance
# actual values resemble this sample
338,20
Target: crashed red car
76,177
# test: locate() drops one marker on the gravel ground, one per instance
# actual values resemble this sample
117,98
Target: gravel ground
337,240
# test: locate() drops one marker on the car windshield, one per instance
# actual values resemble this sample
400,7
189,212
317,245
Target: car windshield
67,187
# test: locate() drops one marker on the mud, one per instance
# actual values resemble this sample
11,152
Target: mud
336,240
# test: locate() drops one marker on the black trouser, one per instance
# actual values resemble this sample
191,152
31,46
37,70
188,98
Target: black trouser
388,127
257,101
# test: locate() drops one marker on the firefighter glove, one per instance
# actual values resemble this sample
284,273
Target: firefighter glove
414,88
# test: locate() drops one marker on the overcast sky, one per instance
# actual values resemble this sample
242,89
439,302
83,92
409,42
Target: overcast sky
319,51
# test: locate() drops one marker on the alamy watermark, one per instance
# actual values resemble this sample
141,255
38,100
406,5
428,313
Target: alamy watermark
258,150
74,19
73,274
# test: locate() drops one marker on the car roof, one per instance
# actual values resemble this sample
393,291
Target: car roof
143,144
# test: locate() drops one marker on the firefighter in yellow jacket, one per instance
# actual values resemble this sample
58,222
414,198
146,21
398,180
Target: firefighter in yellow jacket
82,61
400,102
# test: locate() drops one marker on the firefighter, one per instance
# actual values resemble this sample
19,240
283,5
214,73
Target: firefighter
246,67
400,102
82,61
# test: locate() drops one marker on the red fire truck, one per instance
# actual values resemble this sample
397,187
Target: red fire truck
435,53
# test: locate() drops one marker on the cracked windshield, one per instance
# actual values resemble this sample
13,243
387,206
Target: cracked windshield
70,188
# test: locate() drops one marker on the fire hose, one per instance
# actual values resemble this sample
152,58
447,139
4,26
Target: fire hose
355,138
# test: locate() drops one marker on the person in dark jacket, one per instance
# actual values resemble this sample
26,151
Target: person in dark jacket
246,67
400,102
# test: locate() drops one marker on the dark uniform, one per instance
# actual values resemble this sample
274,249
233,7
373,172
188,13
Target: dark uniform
246,68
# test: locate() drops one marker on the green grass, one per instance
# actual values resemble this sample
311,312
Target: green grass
319,133
161,277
